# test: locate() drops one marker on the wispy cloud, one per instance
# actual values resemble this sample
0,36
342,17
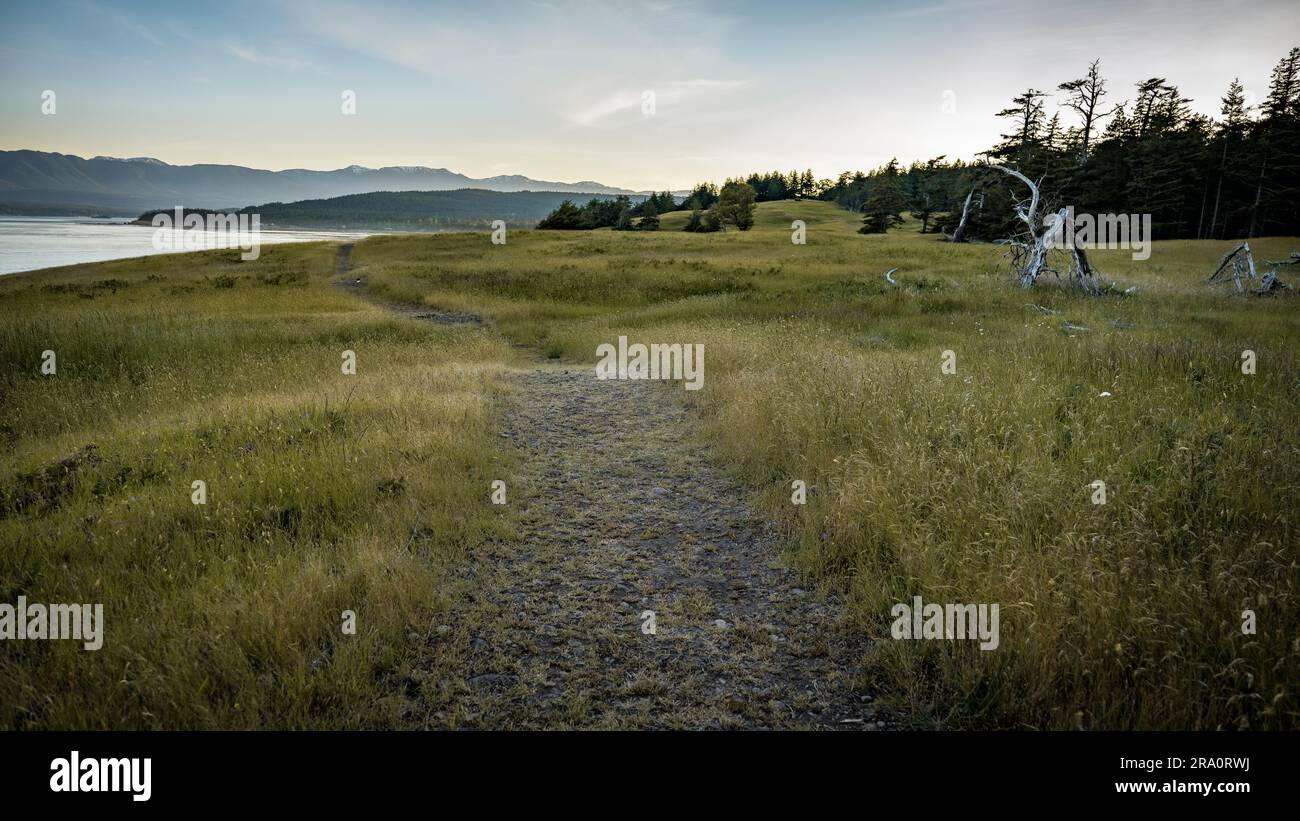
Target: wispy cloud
122,21
251,56
140,30
619,101
671,94
553,88
534,45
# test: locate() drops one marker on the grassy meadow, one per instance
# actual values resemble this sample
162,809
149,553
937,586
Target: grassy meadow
974,487
331,492
325,492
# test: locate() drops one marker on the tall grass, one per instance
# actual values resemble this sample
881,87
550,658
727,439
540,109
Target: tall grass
326,492
975,487
330,493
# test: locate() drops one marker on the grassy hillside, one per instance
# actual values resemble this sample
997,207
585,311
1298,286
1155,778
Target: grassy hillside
974,487
329,492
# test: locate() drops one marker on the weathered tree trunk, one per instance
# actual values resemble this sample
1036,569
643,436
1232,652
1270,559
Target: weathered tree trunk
1084,272
1037,247
1240,267
1243,267
960,234
1035,250
1038,253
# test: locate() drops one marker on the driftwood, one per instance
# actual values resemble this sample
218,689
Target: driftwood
1241,262
1271,283
889,277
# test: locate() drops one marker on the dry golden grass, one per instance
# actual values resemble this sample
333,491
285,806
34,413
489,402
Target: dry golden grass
973,487
326,492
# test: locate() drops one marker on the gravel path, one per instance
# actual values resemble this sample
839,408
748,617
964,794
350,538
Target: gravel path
622,512
624,520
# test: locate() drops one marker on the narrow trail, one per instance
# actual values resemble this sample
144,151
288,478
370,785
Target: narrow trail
624,522
356,285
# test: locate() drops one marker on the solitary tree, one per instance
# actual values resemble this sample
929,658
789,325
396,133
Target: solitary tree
736,204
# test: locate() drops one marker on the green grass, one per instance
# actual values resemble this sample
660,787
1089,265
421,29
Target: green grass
973,487
325,492
329,492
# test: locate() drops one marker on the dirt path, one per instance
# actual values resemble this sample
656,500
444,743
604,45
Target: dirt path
622,514
357,285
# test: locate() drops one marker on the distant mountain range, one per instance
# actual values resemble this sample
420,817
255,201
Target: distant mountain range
42,182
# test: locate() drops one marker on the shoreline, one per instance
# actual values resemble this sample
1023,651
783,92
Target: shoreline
31,244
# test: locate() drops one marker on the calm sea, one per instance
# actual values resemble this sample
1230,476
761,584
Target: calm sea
28,243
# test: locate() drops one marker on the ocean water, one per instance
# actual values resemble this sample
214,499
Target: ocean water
29,243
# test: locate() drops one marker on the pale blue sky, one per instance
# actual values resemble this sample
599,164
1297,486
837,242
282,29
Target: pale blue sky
553,89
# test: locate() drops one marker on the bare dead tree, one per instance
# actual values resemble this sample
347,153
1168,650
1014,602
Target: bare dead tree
1030,251
1085,98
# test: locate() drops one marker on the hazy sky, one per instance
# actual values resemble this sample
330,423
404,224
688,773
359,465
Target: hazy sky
554,90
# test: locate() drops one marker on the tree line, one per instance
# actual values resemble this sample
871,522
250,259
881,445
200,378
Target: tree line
1199,177
711,208
1236,176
